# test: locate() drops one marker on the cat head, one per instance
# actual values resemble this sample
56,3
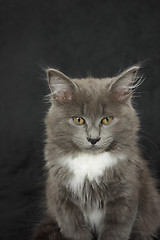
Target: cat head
90,114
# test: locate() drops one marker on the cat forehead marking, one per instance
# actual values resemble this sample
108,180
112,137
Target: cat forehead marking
91,166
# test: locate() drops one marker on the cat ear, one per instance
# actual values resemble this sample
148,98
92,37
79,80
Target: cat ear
60,85
124,84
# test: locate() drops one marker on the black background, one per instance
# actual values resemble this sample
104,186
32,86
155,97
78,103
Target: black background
78,37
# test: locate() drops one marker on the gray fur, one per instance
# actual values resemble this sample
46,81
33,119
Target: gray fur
125,193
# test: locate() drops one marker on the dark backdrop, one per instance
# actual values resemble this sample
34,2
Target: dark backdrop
78,37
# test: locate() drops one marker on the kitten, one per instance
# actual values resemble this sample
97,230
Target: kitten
98,184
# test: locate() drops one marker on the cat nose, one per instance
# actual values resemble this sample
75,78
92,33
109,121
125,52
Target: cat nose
93,140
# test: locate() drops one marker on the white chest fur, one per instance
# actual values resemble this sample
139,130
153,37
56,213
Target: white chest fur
90,166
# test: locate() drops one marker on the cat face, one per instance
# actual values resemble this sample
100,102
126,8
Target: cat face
93,115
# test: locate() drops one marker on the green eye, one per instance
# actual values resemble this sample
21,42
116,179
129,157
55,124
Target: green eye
78,120
107,120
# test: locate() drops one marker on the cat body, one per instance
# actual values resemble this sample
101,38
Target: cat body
98,184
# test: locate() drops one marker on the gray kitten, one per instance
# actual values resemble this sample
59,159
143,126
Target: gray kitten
98,184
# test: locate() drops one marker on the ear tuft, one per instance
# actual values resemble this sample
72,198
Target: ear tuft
123,85
60,85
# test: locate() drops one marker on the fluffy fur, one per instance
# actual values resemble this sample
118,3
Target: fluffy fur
100,190
82,167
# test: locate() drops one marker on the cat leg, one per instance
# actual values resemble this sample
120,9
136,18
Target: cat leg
70,218
119,220
147,222
72,222
143,230
67,213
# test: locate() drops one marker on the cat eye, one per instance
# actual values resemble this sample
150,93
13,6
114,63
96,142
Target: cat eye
78,120
107,120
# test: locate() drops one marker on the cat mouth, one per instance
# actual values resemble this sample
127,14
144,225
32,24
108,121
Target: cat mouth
95,148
